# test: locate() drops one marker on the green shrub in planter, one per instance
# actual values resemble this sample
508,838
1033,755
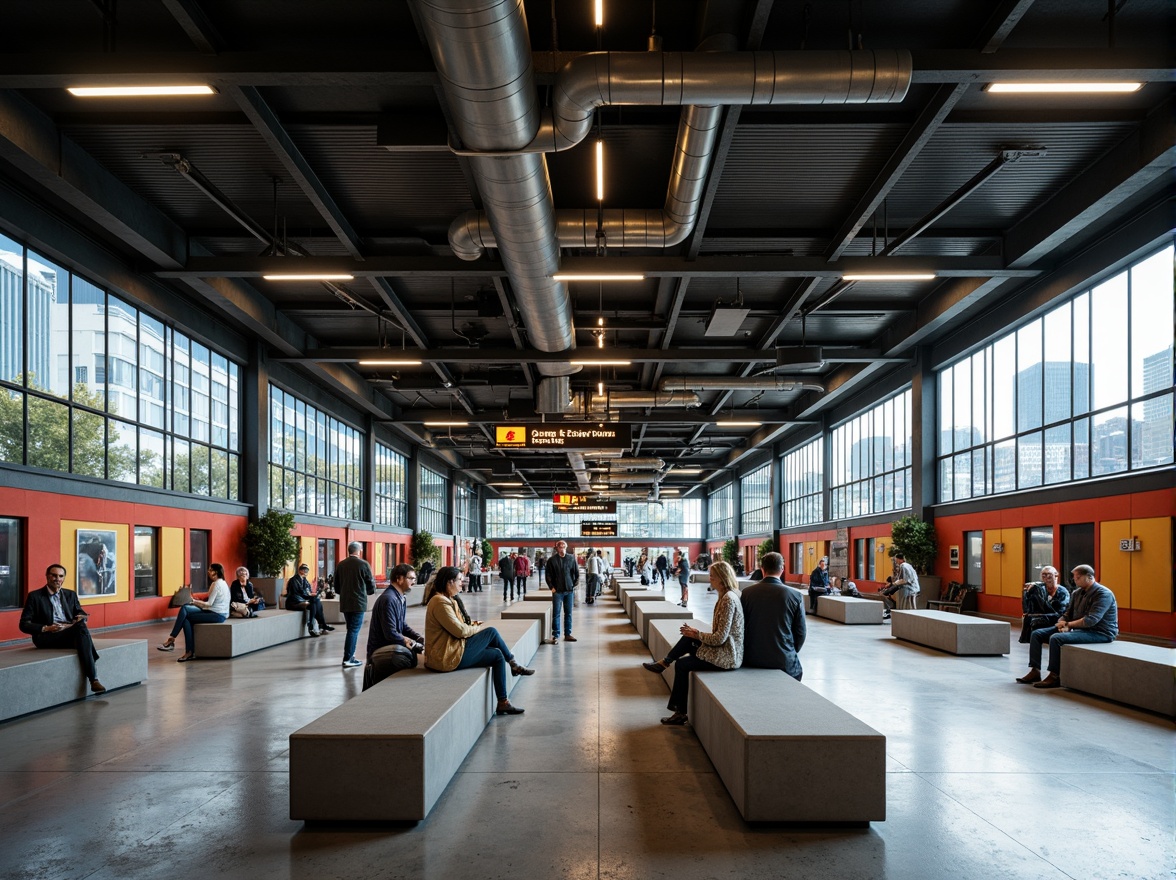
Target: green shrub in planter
270,543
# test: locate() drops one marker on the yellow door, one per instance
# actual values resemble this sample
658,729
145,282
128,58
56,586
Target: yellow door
1151,564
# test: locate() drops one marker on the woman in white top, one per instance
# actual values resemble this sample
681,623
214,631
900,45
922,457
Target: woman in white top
214,609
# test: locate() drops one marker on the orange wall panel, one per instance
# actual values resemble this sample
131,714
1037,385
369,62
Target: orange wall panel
1151,565
1114,569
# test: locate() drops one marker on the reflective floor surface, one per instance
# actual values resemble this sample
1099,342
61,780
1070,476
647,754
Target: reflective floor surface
187,774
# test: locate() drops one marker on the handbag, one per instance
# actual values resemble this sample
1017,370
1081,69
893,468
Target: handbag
239,609
181,597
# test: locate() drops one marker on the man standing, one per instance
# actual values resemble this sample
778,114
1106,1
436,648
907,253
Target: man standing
522,571
774,629
354,583
392,644
660,568
300,597
54,618
475,572
1092,617
682,570
562,576
818,583
905,583
592,571
506,568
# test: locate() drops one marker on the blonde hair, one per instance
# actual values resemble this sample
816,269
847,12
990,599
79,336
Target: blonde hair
726,575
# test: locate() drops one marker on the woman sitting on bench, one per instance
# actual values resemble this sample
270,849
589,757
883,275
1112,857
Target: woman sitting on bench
452,643
714,651
212,610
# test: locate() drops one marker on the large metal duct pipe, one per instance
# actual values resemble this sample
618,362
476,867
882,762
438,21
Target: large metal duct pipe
741,383
576,460
635,463
622,479
599,403
483,57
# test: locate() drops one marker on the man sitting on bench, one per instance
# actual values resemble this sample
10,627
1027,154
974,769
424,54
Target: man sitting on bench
1092,617
55,619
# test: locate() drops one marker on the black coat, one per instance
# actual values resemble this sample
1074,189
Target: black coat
38,610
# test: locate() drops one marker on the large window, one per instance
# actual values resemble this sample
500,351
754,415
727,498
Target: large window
804,483
755,501
534,518
1083,391
872,460
466,512
94,387
434,503
721,513
390,487
11,563
315,461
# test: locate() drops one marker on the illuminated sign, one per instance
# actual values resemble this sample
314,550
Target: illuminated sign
568,502
598,528
510,437
578,436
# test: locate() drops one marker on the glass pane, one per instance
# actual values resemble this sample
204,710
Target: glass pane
219,477
234,409
1151,324
1081,355
1151,425
122,359
11,310
946,480
1039,547
146,582
122,451
979,396
181,387
963,475
1057,454
234,488
88,362
89,444
1029,377
48,435
152,373
11,551
151,458
1081,449
220,401
1029,460
182,467
200,475
12,425
47,330
946,386
1108,312
201,406
1108,442
1057,365
963,406
979,484
1003,367
1004,475
275,484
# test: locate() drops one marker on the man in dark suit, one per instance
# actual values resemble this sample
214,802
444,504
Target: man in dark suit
354,583
55,619
773,614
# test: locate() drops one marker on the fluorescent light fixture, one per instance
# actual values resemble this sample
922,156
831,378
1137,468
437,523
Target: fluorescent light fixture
599,170
889,276
600,388
732,423
600,488
686,472
386,363
310,276
515,485
447,424
669,491
600,363
599,18
596,276
138,91
1054,88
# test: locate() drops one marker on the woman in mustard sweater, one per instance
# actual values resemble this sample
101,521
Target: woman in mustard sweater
451,643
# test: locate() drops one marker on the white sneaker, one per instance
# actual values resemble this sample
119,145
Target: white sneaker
353,662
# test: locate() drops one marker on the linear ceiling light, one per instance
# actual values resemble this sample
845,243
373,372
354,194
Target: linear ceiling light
387,363
515,485
139,91
599,17
686,471
732,423
669,490
596,276
447,425
1062,87
599,170
309,276
889,276
600,363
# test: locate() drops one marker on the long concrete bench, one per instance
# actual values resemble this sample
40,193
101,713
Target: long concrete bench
241,635
847,609
388,754
631,588
953,633
543,595
1126,672
645,612
664,634
640,595
785,753
538,611
33,678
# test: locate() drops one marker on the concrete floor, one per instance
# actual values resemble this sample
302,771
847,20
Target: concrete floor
187,774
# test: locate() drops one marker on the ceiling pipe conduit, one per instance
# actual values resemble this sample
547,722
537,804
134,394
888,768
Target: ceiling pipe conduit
741,383
600,403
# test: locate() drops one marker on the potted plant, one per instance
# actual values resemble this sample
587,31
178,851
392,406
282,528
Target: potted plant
271,546
730,551
915,540
487,554
767,546
424,548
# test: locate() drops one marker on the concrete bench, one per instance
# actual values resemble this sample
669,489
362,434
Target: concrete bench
785,753
388,754
644,612
1126,672
538,611
34,678
664,634
331,612
847,609
953,633
241,635
631,588
543,595
640,595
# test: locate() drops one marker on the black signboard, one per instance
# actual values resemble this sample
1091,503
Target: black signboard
598,528
570,502
585,435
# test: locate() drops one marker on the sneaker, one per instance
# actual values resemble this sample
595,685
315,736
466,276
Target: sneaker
352,663
313,633
328,629
555,640
168,648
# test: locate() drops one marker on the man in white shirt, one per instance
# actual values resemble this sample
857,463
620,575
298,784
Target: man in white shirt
905,584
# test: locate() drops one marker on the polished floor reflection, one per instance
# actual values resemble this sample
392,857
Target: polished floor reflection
188,774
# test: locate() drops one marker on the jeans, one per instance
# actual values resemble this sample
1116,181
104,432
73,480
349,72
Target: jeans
558,601
682,656
521,583
486,648
1056,641
354,624
188,615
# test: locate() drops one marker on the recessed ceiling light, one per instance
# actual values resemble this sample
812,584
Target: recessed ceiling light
139,91
889,276
310,276
384,363
600,363
448,425
1054,88
596,276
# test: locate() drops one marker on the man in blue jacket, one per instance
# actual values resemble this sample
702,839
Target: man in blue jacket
1092,617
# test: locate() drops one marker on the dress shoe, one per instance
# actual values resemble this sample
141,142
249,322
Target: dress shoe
571,639
328,629
1031,677
658,667
184,658
555,640
97,687
1050,681
505,708
516,669
677,719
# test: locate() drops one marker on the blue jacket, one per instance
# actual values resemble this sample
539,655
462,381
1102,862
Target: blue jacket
1096,608
388,626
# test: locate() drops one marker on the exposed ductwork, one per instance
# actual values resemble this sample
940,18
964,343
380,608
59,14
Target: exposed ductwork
706,81
623,479
742,383
635,463
576,460
553,396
